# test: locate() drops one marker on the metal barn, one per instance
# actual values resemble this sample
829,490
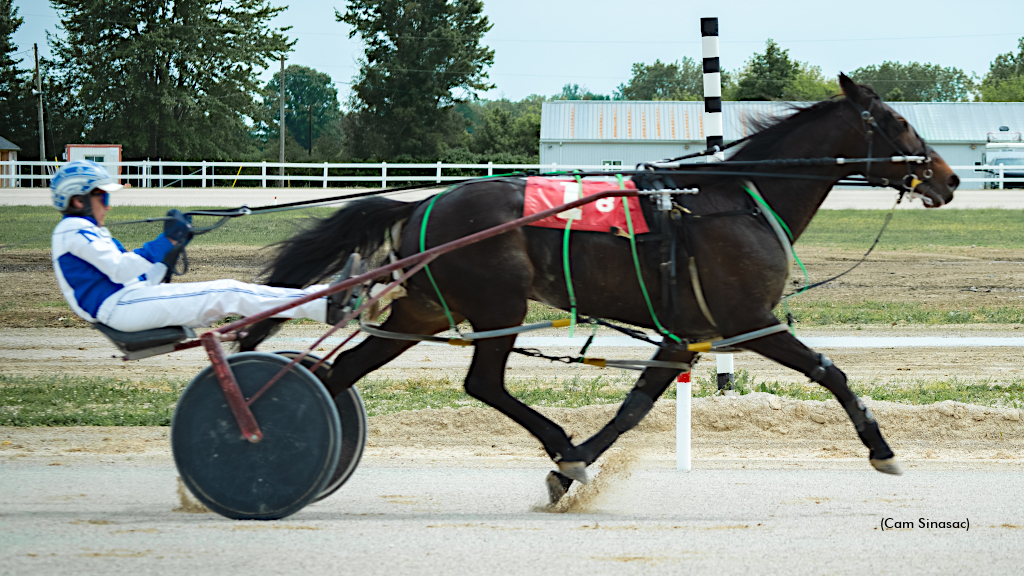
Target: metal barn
593,132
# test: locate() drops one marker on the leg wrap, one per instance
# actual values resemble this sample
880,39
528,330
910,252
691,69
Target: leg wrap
633,410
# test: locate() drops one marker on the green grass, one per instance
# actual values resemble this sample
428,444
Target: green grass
922,230
105,401
828,313
34,224
909,230
86,401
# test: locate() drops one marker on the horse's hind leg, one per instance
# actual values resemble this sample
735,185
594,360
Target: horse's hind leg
485,382
649,387
785,349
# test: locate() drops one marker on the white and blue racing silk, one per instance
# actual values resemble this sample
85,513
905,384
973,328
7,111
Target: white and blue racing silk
93,268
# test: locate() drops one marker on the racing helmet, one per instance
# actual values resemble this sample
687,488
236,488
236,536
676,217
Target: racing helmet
79,178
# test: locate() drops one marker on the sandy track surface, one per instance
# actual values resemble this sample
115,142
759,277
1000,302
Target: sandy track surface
773,491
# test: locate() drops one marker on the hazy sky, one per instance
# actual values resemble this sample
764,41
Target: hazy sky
542,45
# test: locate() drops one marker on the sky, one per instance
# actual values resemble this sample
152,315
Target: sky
542,45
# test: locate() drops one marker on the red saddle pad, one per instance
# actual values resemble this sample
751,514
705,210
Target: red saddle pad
600,216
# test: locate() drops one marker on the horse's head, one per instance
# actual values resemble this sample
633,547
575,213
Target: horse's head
889,134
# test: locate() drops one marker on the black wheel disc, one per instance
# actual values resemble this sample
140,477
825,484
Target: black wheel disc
274,477
353,426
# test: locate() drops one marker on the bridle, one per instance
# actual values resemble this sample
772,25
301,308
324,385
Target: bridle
869,126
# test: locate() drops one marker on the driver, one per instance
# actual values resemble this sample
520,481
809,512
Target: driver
105,283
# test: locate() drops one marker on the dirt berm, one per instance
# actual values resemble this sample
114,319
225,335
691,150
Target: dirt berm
756,425
753,425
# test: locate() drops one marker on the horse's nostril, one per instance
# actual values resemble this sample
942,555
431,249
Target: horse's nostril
953,181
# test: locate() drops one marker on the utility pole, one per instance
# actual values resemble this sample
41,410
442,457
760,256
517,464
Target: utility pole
39,93
281,94
310,130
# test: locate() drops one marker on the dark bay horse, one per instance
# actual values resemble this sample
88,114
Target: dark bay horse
741,264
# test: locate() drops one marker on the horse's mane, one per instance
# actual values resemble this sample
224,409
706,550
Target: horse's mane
768,131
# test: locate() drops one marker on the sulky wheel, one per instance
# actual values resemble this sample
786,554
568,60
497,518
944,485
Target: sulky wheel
353,426
277,476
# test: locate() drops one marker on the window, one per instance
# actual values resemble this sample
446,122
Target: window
99,159
611,163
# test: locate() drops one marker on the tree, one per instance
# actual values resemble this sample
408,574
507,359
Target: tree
166,78
18,113
916,82
1005,79
421,59
681,80
577,92
809,84
502,133
767,76
307,93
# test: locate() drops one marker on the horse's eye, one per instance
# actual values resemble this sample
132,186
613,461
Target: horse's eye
902,121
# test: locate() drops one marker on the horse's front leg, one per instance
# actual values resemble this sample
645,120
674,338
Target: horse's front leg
785,349
649,387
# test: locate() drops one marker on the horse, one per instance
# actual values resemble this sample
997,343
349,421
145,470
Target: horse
739,260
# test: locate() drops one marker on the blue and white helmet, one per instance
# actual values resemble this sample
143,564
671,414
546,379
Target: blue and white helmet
79,178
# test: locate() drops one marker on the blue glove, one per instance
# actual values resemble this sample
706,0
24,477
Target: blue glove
179,227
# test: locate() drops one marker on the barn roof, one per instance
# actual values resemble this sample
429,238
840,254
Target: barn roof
6,144
665,121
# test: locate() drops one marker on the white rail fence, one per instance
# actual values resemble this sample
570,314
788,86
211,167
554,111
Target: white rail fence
203,174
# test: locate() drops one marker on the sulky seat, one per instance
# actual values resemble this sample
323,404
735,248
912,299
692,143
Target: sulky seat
137,345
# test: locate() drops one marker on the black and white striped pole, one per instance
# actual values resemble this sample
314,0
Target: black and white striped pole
714,132
712,86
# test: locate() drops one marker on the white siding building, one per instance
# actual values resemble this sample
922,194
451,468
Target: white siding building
590,132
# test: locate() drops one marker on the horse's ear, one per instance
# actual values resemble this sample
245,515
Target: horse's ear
851,89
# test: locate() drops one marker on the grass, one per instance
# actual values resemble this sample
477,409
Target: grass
828,313
921,230
916,230
33,225
104,401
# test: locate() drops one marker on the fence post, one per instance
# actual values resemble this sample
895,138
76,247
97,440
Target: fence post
325,174
490,168
204,173
1000,176
383,174
263,173
438,172
160,165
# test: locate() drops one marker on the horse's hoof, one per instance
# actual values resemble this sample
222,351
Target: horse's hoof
888,466
558,485
575,470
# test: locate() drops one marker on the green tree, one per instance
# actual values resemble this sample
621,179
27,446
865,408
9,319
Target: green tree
577,92
166,78
500,132
1005,79
309,94
18,111
682,80
421,59
810,85
767,76
917,82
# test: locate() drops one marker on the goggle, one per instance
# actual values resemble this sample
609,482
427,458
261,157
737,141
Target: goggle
105,196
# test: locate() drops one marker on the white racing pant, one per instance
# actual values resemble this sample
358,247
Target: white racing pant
196,304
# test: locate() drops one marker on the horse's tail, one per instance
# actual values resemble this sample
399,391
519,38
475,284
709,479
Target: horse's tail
322,248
